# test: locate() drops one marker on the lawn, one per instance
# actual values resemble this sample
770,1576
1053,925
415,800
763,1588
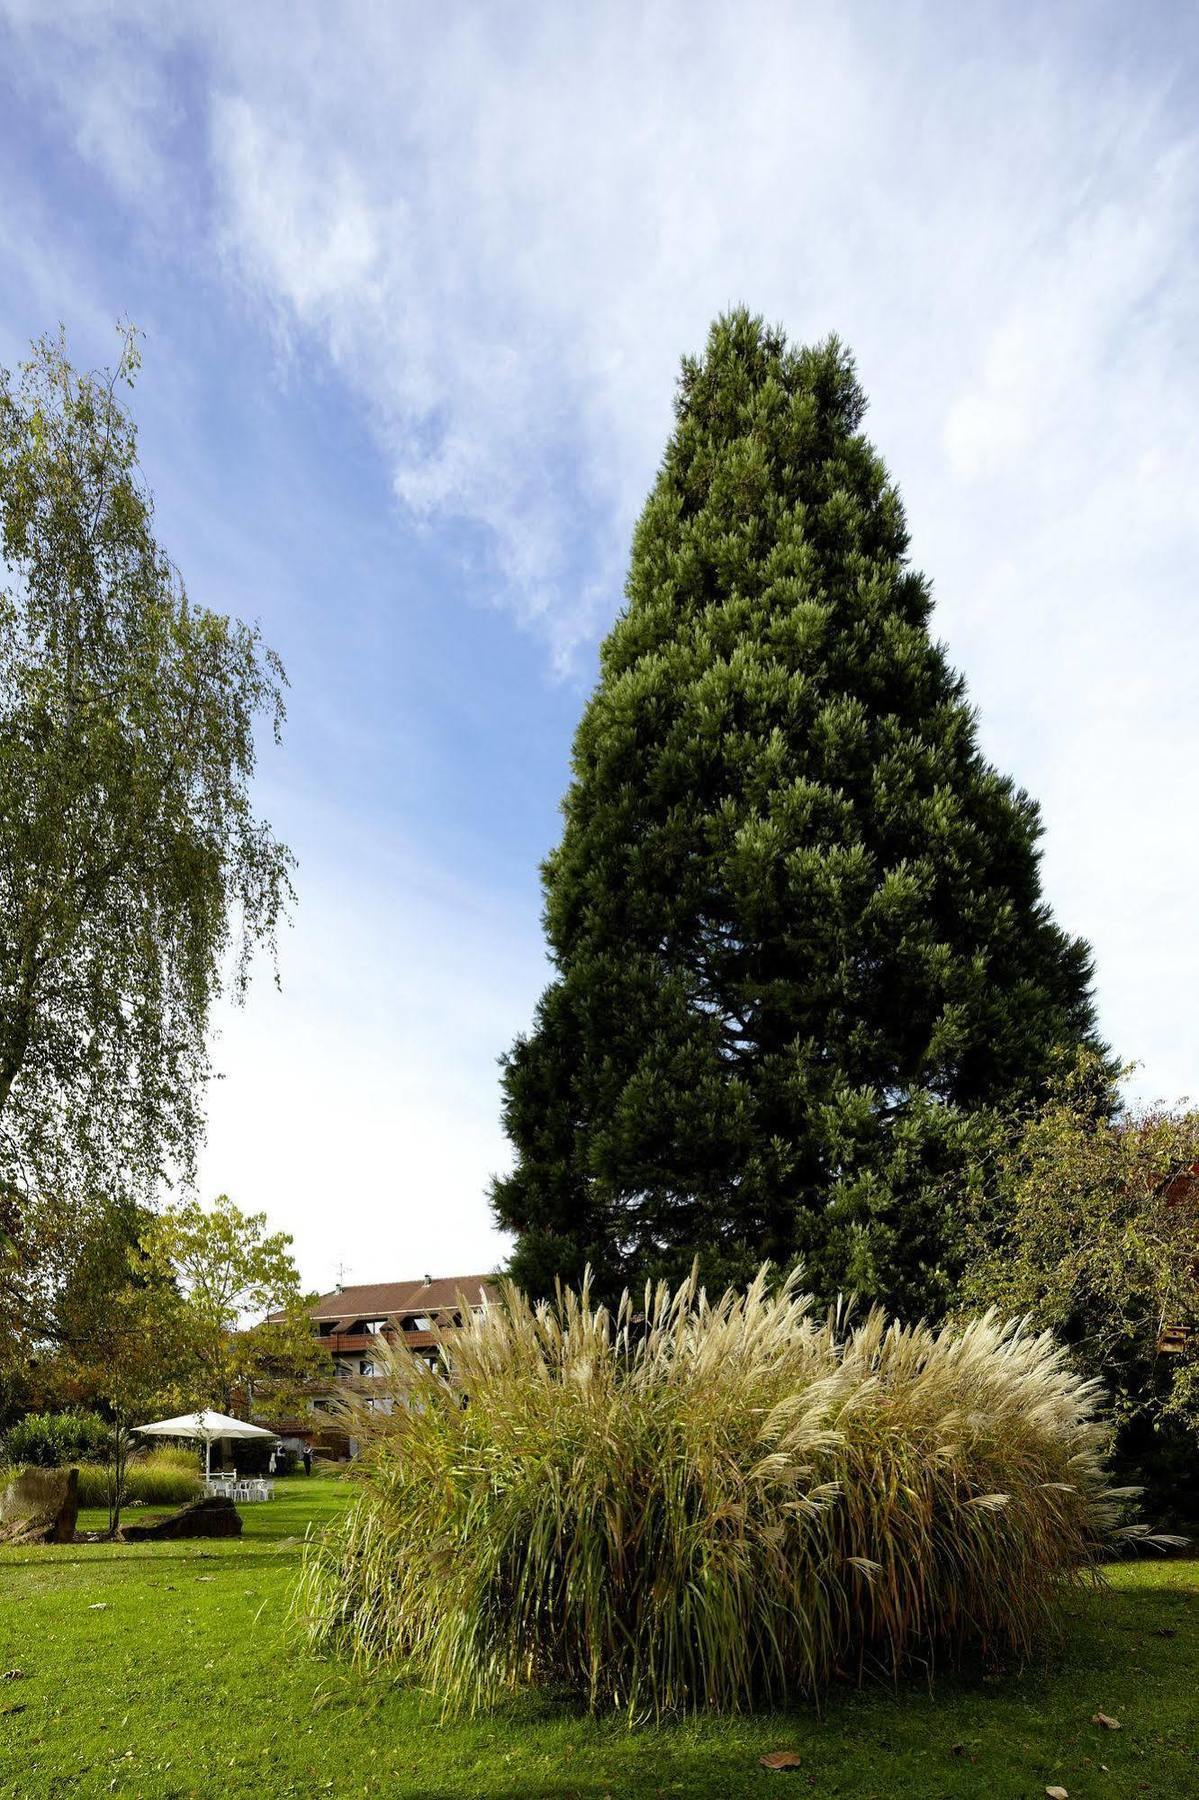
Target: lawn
158,1670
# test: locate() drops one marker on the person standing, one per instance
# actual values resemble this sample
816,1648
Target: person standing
308,1459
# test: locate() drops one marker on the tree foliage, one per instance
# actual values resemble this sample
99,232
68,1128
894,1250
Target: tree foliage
191,1288
149,1320
801,951
226,1265
53,1440
134,871
1090,1225
71,1261
138,1351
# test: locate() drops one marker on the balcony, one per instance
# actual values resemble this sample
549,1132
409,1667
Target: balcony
342,1343
368,1343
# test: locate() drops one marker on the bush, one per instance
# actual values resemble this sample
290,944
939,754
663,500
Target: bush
1088,1223
53,1440
160,1478
719,1507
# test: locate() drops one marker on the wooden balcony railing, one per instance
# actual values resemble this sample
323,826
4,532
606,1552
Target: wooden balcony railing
363,1343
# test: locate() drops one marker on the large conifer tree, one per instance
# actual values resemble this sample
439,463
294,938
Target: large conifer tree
796,918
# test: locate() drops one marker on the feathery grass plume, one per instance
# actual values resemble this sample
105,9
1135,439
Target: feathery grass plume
160,1477
709,1504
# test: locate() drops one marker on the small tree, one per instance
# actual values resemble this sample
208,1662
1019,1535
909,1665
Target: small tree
226,1266
142,1352
1090,1224
148,1319
152,1349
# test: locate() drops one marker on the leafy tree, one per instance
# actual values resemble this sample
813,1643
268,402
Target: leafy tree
16,1261
147,1321
181,1346
142,1353
1089,1225
84,1255
226,1265
133,869
800,945
141,1362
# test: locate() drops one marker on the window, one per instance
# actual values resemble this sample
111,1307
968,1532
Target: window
366,1366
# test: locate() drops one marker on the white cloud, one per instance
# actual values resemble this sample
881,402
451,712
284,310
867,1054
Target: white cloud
115,102
505,239
993,420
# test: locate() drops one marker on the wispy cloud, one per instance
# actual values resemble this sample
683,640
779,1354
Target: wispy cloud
503,225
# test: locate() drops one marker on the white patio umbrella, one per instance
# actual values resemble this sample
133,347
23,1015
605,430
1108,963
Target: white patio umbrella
208,1426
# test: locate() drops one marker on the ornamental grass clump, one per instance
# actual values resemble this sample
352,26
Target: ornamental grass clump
710,1504
159,1477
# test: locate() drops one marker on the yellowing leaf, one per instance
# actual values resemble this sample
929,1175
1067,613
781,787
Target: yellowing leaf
780,1759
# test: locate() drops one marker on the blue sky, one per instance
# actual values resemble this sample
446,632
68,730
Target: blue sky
414,283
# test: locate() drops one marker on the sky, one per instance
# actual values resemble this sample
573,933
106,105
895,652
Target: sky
414,283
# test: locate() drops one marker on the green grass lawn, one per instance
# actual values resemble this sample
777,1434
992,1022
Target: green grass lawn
157,1670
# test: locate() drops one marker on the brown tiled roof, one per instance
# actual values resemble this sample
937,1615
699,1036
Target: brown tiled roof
386,1299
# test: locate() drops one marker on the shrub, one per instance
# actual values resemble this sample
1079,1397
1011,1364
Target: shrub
51,1440
722,1505
162,1477
1089,1224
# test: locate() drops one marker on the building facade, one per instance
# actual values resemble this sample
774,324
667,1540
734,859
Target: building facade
354,1321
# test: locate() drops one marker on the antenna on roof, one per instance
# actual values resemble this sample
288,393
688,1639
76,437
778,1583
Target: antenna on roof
428,1281
342,1272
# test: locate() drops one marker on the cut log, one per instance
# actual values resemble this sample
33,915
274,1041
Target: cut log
40,1507
213,1517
